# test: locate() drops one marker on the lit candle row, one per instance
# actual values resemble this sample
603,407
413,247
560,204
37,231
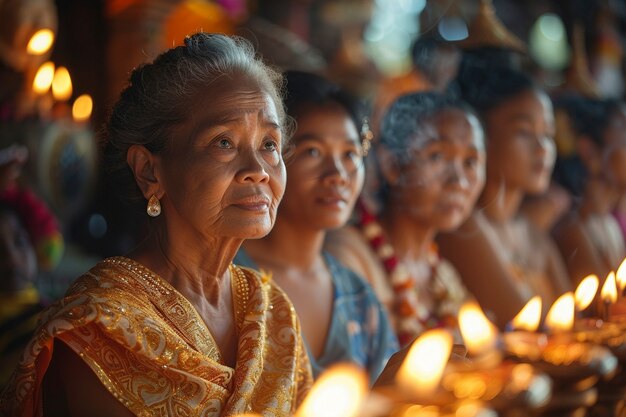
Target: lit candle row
59,80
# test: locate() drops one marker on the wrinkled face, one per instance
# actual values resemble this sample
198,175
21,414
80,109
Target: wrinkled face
325,171
445,173
614,155
223,174
520,145
18,262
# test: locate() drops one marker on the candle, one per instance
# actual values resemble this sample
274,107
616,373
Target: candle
608,295
339,392
621,277
479,334
423,367
62,84
40,42
529,317
81,110
43,78
560,318
586,292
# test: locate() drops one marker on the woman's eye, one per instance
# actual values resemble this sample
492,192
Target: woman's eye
435,156
314,152
224,143
471,162
270,145
526,134
353,154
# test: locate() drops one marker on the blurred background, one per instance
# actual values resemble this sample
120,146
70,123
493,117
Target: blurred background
55,95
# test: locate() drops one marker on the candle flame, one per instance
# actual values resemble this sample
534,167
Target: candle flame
478,332
43,78
621,276
62,84
339,392
586,292
561,314
81,110
609,289
423,366
40,42
529,317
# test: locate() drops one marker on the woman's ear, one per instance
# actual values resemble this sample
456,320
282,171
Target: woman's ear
145,166
588,153
388,164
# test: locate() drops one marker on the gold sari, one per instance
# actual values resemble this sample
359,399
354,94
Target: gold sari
152,351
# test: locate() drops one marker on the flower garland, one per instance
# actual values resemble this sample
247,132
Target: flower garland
412,318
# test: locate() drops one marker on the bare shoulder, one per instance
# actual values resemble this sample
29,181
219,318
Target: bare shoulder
482,263
71,388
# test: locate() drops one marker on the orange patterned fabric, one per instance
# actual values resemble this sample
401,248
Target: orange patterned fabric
152,351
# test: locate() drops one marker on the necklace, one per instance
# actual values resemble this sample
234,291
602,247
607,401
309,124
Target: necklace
412,317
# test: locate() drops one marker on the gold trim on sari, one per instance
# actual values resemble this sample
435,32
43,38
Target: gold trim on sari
149,347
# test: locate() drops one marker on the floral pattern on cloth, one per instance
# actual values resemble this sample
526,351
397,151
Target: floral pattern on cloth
150,348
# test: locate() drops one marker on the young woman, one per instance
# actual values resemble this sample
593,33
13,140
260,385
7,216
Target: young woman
341,318
503,258
590,238
431,160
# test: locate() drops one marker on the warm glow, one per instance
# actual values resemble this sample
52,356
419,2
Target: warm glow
62,84
586,292
81,110
530,316
40,42
621,276
478,333
43,78
609,289
423,366
339,392
561,315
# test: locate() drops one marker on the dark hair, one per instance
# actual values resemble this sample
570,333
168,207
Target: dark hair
407,117
485,86
424,52
305,88
160,95
588,116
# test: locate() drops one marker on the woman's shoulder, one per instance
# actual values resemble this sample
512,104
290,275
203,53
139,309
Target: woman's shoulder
344,278
351,248
116,281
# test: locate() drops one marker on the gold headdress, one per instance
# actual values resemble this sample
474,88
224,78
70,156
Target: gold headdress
578,77
486,30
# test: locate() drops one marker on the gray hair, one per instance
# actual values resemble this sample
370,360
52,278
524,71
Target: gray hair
407,119
160,95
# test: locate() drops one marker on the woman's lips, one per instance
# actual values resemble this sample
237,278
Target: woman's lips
333,201
254,204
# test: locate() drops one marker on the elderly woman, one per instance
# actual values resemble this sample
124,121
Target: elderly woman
174,328
342,320
432,168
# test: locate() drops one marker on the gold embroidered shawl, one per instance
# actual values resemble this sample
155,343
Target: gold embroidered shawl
152,351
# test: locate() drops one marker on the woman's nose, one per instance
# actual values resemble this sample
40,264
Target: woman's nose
456,175
336,173
252,169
